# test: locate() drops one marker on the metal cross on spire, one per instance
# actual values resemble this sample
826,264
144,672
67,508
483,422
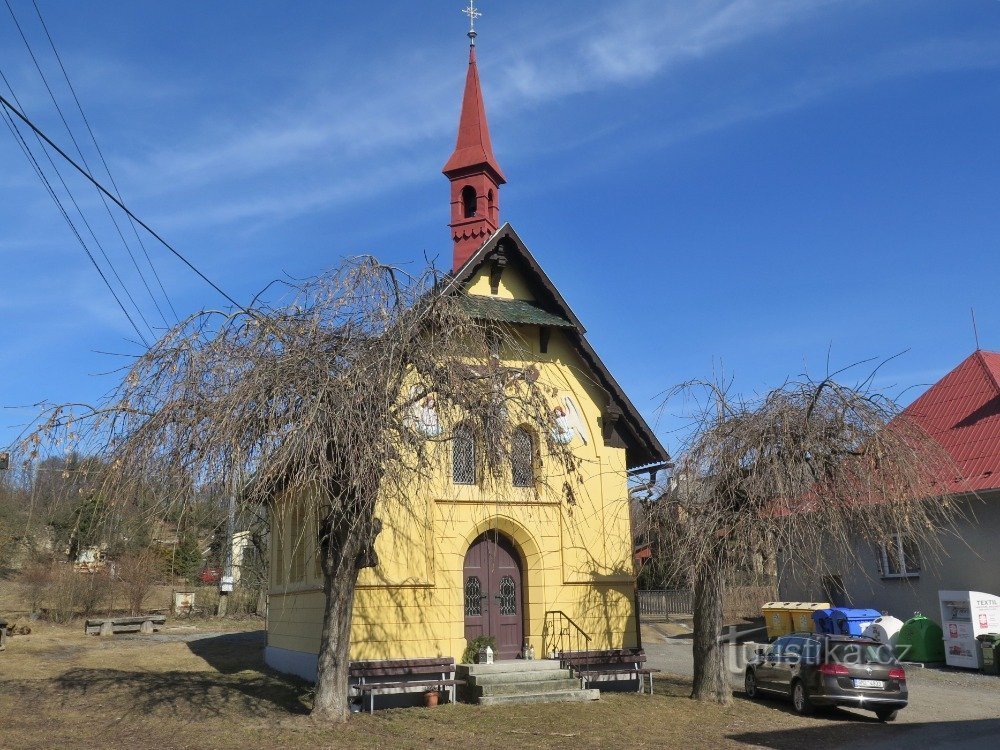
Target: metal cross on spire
473,14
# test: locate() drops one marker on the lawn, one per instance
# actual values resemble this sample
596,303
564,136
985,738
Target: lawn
60,688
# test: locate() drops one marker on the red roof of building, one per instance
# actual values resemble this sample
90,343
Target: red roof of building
962,412
473,148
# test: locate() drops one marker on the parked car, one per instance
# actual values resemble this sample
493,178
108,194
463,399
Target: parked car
829,670
210,575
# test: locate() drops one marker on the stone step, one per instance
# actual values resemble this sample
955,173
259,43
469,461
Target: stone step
526,688
554,696
507,677
511,665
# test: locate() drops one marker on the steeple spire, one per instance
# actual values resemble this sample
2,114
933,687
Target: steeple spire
473,170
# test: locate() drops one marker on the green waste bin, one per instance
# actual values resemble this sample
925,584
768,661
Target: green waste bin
989,644
920,639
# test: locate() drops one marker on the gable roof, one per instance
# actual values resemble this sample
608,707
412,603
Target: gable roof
642,447
962,412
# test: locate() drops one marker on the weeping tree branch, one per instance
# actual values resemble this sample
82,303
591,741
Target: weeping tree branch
314,399
808,471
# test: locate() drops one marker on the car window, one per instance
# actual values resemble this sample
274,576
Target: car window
794,648
841,652
777,648
811,650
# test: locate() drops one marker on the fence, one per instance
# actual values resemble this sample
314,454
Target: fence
741,602
666,602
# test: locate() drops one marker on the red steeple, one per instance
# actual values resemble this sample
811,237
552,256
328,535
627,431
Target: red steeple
474,173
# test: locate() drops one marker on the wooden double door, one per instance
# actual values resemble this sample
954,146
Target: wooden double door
494,600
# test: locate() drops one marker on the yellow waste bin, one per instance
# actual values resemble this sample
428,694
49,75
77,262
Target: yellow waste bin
802,615
778,618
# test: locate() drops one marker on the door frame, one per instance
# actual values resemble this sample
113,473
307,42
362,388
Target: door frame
522,565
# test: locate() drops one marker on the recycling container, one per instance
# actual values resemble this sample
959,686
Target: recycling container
884,629
852,621
823,621
778,618
989,647
920,639
802,615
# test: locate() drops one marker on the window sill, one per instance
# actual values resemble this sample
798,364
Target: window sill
895,576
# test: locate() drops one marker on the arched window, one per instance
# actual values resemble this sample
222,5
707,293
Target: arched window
489,206
522,458
469,201
463,455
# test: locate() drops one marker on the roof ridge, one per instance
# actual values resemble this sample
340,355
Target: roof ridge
981,359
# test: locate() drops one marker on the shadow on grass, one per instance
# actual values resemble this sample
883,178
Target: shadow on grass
939,735
241,683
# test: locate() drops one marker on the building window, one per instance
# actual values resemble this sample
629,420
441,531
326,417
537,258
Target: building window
522,458
463,456
899,558
508,596
473,597
469,201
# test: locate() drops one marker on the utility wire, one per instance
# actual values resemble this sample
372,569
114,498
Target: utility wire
86,223
38,132
41,174
100,153
83,158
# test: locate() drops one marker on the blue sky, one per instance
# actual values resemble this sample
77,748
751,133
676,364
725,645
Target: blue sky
747,185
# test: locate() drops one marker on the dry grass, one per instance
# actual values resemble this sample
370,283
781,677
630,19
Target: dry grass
60,688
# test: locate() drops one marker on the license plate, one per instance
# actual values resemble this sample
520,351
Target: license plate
877,684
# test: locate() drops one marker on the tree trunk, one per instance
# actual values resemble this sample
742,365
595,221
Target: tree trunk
332,671
347,544
711,673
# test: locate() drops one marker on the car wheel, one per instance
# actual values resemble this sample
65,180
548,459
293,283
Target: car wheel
750,684
886,714
800,699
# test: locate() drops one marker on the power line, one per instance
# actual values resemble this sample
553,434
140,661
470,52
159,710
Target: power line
90,229
38,132
100,153
83,158
41,174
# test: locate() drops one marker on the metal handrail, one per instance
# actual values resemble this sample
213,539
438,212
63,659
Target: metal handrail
568,629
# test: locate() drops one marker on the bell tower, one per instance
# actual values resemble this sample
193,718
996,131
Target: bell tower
472,169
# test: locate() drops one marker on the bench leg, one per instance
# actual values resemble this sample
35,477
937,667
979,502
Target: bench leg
371,701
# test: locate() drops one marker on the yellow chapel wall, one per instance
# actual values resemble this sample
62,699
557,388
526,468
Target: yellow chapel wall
577,558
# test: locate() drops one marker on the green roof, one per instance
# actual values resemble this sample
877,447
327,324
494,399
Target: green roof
517,311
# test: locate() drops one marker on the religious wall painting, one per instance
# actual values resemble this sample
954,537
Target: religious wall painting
568,422
424,413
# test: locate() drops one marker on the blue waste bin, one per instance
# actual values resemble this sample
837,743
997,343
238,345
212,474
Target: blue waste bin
852,621
823,621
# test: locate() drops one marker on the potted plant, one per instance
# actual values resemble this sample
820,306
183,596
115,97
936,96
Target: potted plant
475,652
431,698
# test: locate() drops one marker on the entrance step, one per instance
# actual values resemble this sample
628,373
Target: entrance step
521,681
590,694
512,665
526,687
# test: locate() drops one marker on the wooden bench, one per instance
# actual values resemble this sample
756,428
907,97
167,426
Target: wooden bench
140,624
402,674
589,665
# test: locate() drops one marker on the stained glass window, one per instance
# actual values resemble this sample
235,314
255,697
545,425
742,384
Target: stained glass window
508,596
522,458
473,597
463,456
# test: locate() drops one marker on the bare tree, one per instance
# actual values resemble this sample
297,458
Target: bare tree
811,470
315,399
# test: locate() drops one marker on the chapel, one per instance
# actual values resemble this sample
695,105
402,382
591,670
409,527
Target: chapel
536,569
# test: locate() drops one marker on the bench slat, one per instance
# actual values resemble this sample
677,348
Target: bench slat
369,686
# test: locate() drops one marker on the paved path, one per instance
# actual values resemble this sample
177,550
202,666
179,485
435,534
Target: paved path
948,708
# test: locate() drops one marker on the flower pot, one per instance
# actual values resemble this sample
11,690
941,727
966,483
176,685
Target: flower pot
431,698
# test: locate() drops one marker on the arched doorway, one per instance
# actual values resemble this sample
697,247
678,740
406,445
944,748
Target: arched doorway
494,598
